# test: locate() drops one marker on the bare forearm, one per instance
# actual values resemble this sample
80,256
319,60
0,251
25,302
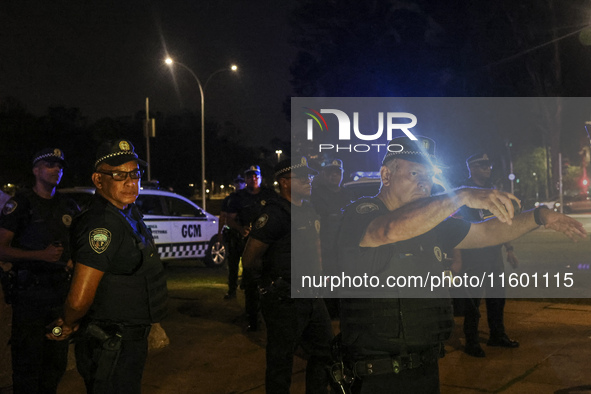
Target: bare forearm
254,250
72,314
411,220
8,253
494,232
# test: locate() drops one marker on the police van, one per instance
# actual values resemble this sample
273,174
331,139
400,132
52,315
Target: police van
181,229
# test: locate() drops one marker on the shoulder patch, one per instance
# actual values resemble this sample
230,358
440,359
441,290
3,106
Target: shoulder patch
366,207
99,239
261,221
9,207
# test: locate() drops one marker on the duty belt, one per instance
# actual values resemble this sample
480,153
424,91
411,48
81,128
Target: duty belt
125,332
395,364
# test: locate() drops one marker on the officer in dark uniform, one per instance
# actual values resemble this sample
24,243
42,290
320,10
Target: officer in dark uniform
479,261
243,210
34,237
392,344
298,321
119,285
233,240
328,199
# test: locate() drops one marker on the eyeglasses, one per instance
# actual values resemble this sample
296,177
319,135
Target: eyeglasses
122,175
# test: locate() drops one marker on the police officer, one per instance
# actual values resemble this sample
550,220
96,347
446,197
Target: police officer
290,322
34,237
243,210
119,287
233,240
328,199
479,261
393,343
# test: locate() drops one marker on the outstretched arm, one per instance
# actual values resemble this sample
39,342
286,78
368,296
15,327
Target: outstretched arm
494,232
420,216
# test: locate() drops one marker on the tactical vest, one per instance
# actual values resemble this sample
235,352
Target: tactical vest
397,325
139,297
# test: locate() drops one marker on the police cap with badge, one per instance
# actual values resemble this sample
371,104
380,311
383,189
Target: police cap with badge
116,153
50,155
480,159
299,168
421,150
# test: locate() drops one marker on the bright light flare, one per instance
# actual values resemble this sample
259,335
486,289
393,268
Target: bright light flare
233,67
168,61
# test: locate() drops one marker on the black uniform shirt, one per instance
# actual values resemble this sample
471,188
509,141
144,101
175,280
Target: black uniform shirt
291,232
105,242
360,214
37,222
248,206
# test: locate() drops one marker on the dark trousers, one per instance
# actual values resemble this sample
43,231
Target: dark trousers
127,372
423,380
235,244
291,323
250,282
495,308
38,364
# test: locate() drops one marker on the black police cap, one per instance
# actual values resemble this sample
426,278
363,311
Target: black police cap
115,153
53,155
298,168
421,150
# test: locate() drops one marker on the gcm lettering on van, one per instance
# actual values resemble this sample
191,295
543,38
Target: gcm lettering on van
191,230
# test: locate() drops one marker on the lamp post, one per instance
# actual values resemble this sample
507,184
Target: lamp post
279,152
170,62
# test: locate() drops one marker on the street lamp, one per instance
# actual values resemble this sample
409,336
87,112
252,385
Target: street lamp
234,68
279,152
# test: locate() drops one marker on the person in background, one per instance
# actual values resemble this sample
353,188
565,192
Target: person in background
328,199
243,210
479,261
34,237
287,221
232,239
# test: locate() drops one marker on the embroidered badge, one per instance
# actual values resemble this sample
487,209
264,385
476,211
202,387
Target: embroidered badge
261,221
317,225
438,254
9,207
99,239
67,220
57,153
367,207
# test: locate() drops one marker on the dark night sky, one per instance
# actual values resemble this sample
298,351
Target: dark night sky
107,57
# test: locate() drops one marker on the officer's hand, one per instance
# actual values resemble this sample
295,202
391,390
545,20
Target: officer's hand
245,231
562,223
512,259
56,334
497,202
51,254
